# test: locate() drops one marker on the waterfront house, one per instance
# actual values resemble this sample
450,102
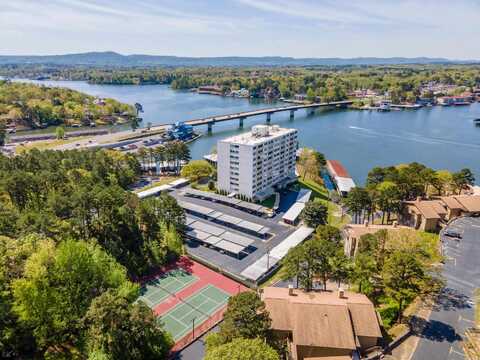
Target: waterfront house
323,324
242,93
464,99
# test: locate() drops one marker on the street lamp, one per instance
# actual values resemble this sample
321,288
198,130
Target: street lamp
193,328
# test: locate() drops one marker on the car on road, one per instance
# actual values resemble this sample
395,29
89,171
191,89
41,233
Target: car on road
452,233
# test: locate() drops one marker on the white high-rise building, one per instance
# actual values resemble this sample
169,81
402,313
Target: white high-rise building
251,164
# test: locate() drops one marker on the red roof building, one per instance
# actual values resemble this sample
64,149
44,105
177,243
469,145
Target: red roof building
337,169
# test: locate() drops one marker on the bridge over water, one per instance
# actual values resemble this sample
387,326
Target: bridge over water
210,121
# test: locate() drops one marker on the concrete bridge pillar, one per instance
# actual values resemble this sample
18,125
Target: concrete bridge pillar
240,122
210,127
292,114
269,118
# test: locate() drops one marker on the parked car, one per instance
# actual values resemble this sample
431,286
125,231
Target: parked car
452,233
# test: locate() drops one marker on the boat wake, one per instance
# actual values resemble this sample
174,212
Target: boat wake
414,137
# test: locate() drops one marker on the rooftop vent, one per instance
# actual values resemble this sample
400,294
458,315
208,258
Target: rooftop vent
260,130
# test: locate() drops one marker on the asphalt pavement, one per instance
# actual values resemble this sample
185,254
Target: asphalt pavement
441,338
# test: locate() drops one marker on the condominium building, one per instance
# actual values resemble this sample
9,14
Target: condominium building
252,164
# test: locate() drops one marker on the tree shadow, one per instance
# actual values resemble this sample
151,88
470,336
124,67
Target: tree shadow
185,263
451,299
434,330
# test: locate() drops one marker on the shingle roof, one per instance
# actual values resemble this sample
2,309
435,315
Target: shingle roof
322,319
430,209
452,203
323,325
470,202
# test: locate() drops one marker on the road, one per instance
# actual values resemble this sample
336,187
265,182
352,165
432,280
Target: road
111,138
454,311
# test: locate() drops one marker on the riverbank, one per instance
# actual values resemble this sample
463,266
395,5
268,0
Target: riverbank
440,137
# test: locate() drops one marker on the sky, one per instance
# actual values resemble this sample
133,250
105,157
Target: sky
296,28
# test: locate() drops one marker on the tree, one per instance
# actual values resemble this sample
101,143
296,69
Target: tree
134,123
298,264
60,132
463,179
320,158
119,329
15,337
315,213
242,349
310,95
3,133
376,176
341,267
322,251
363,270
197,169
308,261
444,182
388,199
357,201
58,287
403,275
246,317
330,233
172,239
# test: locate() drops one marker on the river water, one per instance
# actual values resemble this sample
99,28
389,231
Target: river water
440,137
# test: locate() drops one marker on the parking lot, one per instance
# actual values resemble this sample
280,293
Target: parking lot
454,310
258,248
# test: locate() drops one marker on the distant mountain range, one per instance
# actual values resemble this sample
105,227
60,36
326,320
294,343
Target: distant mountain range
110,58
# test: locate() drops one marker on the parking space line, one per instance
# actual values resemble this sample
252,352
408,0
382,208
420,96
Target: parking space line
455,352
461,318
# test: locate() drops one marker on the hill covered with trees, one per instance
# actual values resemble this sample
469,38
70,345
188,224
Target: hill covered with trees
33,106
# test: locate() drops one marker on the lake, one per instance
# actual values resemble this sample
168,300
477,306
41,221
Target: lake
440,137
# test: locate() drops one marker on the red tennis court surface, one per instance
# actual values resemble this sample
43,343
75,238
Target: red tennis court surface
188,298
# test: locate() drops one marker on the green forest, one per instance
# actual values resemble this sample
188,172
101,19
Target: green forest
72,242
327,82
34,106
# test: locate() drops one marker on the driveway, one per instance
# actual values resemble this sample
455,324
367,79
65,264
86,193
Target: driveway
454,309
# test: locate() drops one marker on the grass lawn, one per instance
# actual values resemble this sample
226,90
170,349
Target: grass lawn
162,181
46,144
320,193
431,245
269,202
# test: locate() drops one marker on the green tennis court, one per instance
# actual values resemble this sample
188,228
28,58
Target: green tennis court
199,306
156,291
